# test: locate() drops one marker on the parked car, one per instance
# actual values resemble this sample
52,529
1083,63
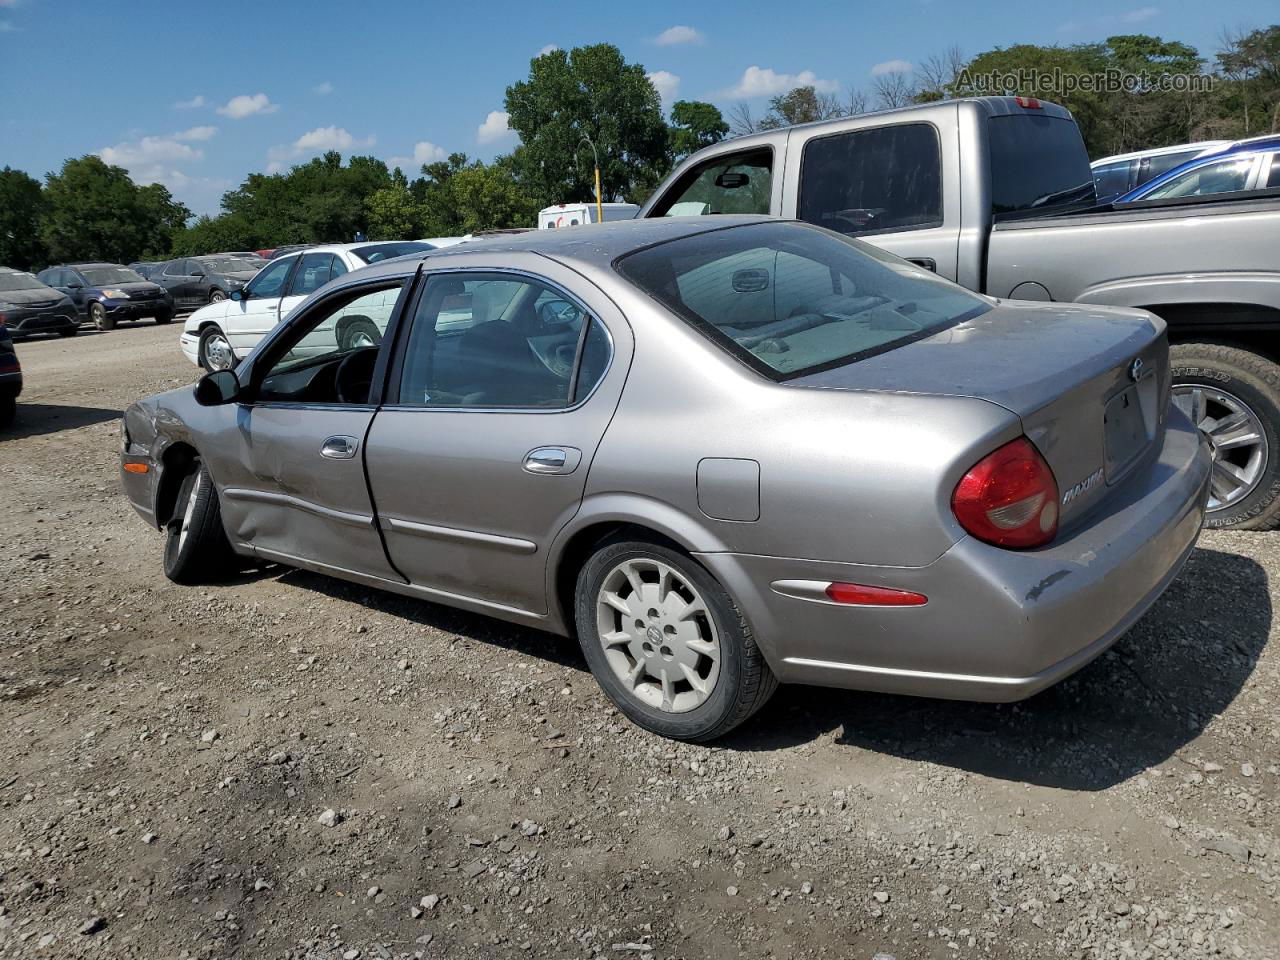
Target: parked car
10,377
216,337
288,248
1247,165
1118,174
724,454
572,214
195,281
1028,229
107,293
27,306
147,269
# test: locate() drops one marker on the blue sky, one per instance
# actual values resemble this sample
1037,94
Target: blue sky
199,95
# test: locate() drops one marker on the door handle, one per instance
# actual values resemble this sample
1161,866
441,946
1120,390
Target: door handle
552,460
927,262
339,448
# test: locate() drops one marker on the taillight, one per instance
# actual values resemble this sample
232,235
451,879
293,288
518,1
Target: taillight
1009,497
1029,103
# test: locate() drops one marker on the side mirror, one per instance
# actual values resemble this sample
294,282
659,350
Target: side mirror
217,388
238,295
75,285
198,274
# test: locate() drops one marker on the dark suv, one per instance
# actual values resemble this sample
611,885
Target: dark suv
106,293
195,281
10,377
28,306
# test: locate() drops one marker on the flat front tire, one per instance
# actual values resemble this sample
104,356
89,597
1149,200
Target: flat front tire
1233,396
666,642
196,549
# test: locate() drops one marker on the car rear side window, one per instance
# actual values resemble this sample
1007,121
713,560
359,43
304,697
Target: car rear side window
313,273
1112,179
873,181
499,340
789,300
730,183
1038,165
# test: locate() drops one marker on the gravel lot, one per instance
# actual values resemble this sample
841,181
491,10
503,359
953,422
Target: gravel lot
290,766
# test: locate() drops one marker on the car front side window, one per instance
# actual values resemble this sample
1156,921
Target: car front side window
730,183
494,340
1223,176
269,283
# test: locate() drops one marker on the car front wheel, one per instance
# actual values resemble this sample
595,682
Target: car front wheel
99,317
666,643
215,350
196,549
217,296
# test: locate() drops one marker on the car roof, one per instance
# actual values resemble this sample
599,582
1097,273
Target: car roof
81,266
594,245
1198,145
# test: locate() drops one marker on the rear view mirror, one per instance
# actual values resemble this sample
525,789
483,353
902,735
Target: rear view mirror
750,281
217,388
732,181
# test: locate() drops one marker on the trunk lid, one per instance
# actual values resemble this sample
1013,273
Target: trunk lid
1090,384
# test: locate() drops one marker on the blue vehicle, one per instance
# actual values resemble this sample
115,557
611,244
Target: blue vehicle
106,293
1245,165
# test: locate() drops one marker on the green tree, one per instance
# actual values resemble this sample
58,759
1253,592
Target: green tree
394,214
588,90
1249,101
95,212
489,197
800,105
695,125
22,205
163,218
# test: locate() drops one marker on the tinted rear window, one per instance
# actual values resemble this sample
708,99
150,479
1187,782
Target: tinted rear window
789,299
1038,165
873,181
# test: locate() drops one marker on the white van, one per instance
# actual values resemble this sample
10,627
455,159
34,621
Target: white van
572,214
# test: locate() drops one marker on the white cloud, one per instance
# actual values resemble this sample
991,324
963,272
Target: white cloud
1140,14
149,151
423,152
549,48
193,103
196,133
673,36
891,66
246,105
667,84
765,82
329,138
323,89
494,128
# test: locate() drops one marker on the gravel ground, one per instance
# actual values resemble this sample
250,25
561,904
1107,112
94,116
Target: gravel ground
290,766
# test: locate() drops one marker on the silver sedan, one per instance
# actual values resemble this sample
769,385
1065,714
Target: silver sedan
721,453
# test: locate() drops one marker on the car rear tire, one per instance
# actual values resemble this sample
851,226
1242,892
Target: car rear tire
214,350
99,317
163,318
216,296
8,410
357,331
1233,396
666,643
196,549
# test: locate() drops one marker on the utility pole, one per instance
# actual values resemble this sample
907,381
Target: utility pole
596,157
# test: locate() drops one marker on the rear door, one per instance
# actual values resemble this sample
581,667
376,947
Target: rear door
886,185
499,398
174,278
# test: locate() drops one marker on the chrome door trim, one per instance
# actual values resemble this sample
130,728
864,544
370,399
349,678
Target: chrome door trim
297,503
458,535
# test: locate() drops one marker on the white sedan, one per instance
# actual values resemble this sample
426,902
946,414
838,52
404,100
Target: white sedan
220,335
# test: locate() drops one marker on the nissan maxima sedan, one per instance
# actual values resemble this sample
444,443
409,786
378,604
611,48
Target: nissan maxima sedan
723,455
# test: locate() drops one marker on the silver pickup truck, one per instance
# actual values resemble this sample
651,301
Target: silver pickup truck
996,193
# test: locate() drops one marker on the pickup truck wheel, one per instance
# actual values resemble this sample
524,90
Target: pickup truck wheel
1233,396
196,549
666,643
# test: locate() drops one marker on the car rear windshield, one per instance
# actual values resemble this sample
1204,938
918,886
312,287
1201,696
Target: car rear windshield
100,275
789,299
19,281
1038,165
377,252
229,265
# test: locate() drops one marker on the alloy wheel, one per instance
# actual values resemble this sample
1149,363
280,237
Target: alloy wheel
217,353
1236,436
658,635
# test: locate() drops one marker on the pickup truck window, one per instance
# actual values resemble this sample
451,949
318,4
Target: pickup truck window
879,180
729,183
1038,165
787,303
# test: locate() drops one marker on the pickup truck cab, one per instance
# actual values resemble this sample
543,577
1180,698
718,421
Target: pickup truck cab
996,194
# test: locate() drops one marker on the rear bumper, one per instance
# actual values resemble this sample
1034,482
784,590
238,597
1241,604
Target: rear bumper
1000,625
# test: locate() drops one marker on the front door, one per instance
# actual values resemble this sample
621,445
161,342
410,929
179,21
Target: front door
257,312
291,472
498,401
